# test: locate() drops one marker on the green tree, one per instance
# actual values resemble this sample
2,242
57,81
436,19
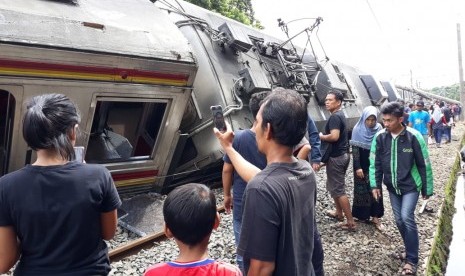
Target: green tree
239,10
451,91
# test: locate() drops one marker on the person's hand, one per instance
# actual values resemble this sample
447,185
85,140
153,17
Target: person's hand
316,166
321,135
359,173
227,202
226,138
376,194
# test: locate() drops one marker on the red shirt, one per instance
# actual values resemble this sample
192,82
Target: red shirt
207,267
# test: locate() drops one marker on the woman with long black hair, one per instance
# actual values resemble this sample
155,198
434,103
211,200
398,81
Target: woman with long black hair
56,213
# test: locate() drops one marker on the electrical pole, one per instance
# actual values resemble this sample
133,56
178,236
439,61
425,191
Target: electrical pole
462,92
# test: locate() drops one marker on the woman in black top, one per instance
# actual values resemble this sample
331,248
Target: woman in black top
56,213
364,205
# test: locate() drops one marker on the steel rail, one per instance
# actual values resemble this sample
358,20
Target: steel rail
134,247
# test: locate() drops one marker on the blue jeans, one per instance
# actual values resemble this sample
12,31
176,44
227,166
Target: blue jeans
403,207
237,223
437,135
447,131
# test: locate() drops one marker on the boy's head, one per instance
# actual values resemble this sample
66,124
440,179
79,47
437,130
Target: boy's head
190,213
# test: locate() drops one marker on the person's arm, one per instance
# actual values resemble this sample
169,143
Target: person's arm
9,248
303,152
108,222
227,177
245,169
333,136
375,170
420,153
260,268
315,143
358,171
109,207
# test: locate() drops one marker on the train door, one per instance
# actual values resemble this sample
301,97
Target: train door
9,112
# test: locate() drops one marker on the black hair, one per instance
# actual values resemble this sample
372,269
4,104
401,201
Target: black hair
393,108
338,95
286,112
48,122
190,212
411,105
442,104
256,101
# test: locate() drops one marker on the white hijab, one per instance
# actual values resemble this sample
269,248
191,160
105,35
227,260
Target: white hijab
437,114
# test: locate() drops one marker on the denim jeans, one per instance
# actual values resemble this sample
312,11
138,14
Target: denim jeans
237,223
437,135
447,131
403,207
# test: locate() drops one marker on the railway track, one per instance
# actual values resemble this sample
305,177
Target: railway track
135,246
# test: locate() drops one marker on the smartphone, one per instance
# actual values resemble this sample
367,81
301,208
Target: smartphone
79,153
218,118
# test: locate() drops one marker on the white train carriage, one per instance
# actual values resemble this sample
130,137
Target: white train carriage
125,65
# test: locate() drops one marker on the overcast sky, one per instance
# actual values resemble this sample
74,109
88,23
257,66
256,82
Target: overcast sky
387,38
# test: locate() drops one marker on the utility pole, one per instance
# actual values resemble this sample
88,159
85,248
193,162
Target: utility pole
462,92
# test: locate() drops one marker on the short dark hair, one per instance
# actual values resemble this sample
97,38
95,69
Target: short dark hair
337,94
410,105
286,112
393,108
189,212
255,102
48,122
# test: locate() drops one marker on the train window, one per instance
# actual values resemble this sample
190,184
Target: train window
124,131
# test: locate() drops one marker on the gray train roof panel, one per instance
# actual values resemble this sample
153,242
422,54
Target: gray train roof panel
127,27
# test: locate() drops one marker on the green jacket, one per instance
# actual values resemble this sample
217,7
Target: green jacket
402,164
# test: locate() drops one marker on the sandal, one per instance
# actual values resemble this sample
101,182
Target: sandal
346,227
409,269
379,226
333,215
399,255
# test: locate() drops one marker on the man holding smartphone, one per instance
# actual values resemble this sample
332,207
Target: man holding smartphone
279,201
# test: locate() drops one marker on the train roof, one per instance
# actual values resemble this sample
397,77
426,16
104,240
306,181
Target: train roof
124,27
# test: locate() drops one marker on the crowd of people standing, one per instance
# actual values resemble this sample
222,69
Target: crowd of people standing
270,169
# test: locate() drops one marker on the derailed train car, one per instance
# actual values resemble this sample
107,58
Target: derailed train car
144,77
236,61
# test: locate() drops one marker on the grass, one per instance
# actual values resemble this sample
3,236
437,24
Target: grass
437,261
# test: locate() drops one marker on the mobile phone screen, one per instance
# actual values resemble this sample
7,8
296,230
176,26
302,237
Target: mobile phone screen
218,118
79,152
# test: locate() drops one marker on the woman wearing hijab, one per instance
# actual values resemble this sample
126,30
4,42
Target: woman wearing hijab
437,124
364,205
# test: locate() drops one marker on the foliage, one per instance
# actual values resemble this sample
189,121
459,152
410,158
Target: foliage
437,261
451,91
239,10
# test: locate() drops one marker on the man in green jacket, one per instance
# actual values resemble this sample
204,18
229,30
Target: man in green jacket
399,158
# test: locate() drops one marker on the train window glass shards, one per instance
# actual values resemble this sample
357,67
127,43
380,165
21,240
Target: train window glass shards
124,131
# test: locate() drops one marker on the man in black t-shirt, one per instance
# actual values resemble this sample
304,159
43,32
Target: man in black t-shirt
279,202
337,159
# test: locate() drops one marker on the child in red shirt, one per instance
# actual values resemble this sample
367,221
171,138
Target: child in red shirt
190,217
